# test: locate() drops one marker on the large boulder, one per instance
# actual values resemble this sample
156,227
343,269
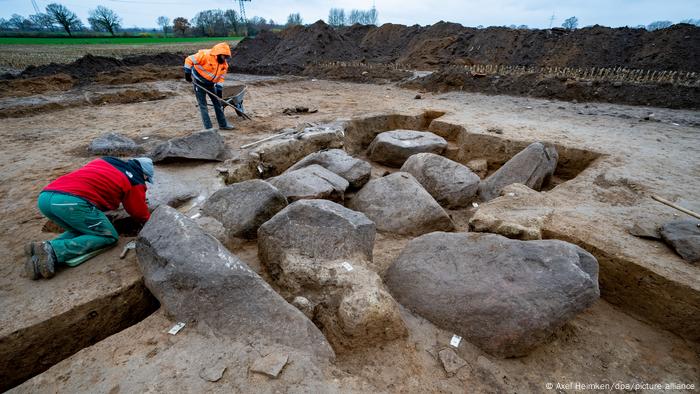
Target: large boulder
397,203
394,147
310,182
505,296
453,185
319,252
357,172
204,145
196,279
273,157
114,144
244,206
683,236
533,166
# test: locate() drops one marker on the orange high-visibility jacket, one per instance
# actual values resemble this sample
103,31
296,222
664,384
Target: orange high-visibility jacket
205,65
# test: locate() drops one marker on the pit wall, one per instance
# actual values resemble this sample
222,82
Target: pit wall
34,349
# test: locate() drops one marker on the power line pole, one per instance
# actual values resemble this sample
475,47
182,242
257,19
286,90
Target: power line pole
551,20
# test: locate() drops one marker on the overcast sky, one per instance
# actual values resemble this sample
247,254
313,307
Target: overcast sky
534,13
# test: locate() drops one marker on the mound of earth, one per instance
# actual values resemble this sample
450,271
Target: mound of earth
442,44
87,67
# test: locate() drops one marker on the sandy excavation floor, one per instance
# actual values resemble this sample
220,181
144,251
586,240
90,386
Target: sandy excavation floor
645,329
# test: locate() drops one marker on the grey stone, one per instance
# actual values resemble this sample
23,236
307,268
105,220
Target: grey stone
319,250
214,372
114,144
397,203
532,167
310,182
275,156
683,236
394,147
203,145
645,230
196,279
357,172
270,365
453,185
168,190
244,206
451,362
505,296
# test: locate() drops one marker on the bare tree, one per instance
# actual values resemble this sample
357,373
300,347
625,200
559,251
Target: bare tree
363,17
294,19
336,17
42,21
372,17
163,22
233,21
659,25
61,15
180,25
104,19
570,23
16,22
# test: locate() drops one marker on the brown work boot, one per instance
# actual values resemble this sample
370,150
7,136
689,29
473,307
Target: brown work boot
31,268
45,259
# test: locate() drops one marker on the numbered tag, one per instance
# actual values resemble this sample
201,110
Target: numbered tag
347,266
454,342
176,328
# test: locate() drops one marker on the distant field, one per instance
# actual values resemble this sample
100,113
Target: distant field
108,40
15,57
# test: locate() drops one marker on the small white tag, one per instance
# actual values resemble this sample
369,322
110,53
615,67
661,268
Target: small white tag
475,205
196,215
347,266
511,194
144,138
176,328
456,339
260,169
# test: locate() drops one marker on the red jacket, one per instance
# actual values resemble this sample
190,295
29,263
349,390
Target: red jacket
106,183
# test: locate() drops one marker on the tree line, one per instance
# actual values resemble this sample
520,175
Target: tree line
213,23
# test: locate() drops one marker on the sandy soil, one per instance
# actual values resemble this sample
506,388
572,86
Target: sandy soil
658,153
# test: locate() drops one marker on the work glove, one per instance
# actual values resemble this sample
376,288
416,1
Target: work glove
188,77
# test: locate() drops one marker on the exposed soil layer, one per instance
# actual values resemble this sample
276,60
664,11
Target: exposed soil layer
561,88
36,85
430,47
363,74
88,67
34,107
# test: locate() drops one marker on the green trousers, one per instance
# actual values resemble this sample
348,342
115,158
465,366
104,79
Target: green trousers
88,231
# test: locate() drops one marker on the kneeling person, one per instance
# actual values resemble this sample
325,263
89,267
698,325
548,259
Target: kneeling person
76,202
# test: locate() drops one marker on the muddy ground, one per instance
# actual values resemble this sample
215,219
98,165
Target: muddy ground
643,330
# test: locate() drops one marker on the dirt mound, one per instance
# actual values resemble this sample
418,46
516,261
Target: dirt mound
430,47
36,85
537,84
88,66
139,74
357,73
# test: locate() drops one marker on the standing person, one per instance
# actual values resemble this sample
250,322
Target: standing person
76,202
208,68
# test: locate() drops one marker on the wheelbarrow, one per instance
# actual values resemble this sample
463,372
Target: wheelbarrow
233,97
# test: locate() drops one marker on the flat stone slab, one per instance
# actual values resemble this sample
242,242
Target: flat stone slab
203,145
394,147
312,182
451,362
357,172
453,185
684,237
168,189
244,206
397,203
270,365
504,296
114,144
